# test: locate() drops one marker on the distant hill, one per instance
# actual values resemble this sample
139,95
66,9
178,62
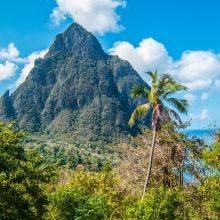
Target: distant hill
76,88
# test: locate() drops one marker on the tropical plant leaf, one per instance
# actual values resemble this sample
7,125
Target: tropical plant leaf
168,86
171,89
173,114
167,90
161,91
153,76
139,91
180,104
165,79
140,112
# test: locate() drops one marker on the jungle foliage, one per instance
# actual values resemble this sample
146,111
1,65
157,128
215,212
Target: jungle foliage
34,188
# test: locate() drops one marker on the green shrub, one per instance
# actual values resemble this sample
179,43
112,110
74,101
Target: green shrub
89,195
22,179
161,203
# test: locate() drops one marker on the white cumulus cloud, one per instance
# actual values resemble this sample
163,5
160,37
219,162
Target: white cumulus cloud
30,65
11,62
97,16
149,55
10,53
7,70
196,69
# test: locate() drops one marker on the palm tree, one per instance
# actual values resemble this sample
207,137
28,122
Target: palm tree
157,97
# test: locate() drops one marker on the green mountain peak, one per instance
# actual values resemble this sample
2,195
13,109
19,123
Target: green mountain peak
76,88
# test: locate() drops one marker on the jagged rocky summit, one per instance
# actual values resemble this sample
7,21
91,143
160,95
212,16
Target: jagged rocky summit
76,88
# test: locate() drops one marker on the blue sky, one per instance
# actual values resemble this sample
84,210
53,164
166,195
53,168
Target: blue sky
180,37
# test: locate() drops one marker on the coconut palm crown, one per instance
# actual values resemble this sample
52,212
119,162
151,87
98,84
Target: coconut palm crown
159,99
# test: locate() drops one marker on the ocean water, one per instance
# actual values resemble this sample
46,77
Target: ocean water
207,135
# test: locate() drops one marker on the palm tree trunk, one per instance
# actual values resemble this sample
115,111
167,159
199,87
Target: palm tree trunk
181,173
150,161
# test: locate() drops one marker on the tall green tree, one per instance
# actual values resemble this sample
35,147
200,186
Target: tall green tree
22,178
212,156
158,98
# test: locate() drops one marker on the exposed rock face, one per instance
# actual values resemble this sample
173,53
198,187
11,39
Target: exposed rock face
6,107
77,87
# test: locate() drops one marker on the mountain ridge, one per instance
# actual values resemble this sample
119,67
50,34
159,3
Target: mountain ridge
77,87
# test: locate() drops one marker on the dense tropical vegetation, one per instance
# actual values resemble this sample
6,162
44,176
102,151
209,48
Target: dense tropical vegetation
33,188
48,176
23,178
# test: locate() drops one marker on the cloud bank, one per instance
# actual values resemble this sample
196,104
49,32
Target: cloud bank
8,58
148,56
97,16
11,63
30,65
11,53
7,70
198,70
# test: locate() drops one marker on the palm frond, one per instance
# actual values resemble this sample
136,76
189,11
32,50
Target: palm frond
180,104
139,91
160,91
168,86
153,76
140,112
174,115
176,87
165,79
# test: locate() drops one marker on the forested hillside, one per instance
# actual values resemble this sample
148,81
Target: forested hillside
76,88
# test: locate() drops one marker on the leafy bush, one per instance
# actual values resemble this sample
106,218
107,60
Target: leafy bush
161,203
22,179
89,195
27,190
